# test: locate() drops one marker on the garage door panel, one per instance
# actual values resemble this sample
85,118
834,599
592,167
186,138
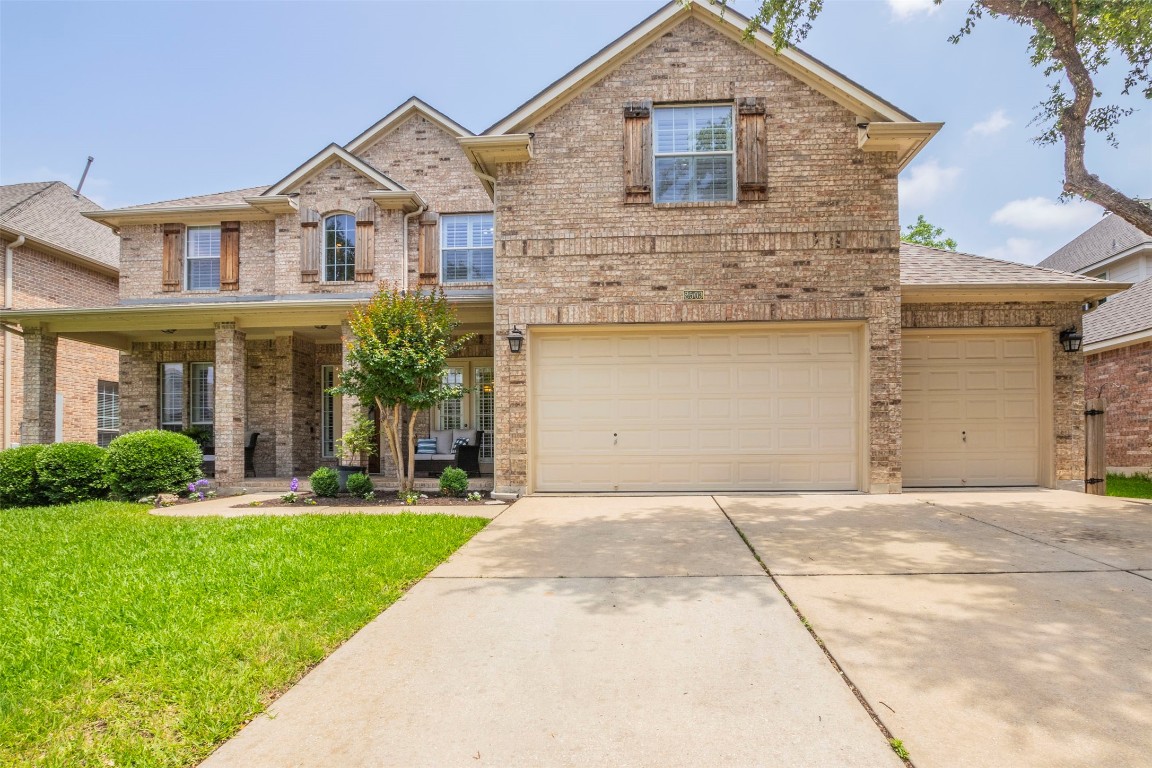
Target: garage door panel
725,419
971,410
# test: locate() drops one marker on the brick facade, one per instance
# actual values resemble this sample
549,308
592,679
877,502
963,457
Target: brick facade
1123,377
42,280
822,246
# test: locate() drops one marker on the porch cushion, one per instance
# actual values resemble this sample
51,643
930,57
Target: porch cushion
426,445
468,435
443,440
459,442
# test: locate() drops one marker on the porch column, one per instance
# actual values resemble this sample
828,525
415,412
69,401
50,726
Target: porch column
231,404
39,425
349,406
288,403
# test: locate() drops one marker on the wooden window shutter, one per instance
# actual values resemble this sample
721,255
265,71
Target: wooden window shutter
752,148
429,248
309,245
638,152
173,257
366,243
230,256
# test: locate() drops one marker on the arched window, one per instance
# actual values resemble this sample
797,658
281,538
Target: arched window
339,248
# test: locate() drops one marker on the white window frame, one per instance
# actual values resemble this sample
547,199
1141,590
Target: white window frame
192,255
730,153
171,401
471,404
107,411
330,411
349,249
196,408
471,245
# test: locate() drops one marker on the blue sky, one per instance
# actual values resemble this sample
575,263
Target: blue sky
184,98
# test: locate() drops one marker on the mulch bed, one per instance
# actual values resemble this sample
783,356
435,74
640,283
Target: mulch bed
381,499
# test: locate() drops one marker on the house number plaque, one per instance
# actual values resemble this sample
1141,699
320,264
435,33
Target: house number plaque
693,295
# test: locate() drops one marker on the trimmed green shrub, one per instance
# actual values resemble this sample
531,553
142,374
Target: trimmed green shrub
69,472
359,484
18,482
325,482
149,462
453,481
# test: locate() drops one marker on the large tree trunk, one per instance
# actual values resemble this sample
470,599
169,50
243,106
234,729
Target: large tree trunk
390,421
411,450
1074,117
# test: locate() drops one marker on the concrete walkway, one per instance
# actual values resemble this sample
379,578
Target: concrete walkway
578,632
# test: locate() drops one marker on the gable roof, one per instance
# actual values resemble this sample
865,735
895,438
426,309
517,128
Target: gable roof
49,214
809,70
231,197
930,274
1107,237
320,160
1124,314
396,117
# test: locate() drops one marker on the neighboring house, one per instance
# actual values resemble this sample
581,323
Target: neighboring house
1118,335
54,257
695,237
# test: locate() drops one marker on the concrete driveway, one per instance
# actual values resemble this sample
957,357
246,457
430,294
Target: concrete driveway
982,628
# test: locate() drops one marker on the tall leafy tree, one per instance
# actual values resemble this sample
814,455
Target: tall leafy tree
1071,41
400,345
923,233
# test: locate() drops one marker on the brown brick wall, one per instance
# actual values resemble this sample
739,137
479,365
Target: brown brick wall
1067,369
823,246
41,280
1124,377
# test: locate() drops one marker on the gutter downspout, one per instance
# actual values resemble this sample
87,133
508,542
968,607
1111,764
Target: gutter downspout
404,249
8,292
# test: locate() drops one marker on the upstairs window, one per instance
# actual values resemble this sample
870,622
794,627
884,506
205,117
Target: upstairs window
466,248
202,270
694,157
339,248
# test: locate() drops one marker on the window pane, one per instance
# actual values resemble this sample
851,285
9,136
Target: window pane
329,407
466,247
692,179
693,153
484,398
202,259
172,396
107,412
203,393
204,274
452,411
339,248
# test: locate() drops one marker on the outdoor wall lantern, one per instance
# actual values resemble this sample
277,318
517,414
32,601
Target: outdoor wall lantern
1071,340
515,340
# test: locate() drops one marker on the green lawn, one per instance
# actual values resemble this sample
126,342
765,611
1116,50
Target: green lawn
1134,487
133,640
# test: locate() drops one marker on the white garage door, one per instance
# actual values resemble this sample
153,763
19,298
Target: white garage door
695,409
972,406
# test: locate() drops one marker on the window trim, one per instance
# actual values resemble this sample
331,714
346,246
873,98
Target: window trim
730,153
329,405
164,393
350,266
444,249
189,258
110,428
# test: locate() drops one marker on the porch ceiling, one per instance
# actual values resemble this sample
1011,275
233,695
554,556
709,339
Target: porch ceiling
119,327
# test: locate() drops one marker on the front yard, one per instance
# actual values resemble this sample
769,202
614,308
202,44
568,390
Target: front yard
1132,487
128,639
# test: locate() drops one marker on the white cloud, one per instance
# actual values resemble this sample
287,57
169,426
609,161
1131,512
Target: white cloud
995,123
1040,214
906,9
926,181
1019,249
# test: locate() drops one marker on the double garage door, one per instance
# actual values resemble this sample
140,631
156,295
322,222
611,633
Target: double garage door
696,409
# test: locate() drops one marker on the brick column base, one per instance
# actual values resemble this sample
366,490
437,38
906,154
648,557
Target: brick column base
39,425
231,404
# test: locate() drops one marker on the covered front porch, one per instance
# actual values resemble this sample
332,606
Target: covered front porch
247,375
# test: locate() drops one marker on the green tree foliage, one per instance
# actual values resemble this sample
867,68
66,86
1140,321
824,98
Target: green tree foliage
400,345
923,233
1071,41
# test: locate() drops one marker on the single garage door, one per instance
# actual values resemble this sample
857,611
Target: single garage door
690,408
972,406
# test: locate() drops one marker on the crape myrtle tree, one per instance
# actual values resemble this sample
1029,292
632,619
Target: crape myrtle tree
400,344
1071,41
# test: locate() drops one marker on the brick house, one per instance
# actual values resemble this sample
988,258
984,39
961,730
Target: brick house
54,257
1118,335
697,241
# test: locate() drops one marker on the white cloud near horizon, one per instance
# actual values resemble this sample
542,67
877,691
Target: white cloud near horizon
995,123
924,182
1042,214
902,10
1021,249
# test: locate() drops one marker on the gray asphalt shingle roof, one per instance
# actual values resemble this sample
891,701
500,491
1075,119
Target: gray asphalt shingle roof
1105,238
231,197
921,265
1125,313
50,211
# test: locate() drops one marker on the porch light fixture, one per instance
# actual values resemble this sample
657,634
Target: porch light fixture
1071,340
515,340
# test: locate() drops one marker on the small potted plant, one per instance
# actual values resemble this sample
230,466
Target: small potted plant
356,444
